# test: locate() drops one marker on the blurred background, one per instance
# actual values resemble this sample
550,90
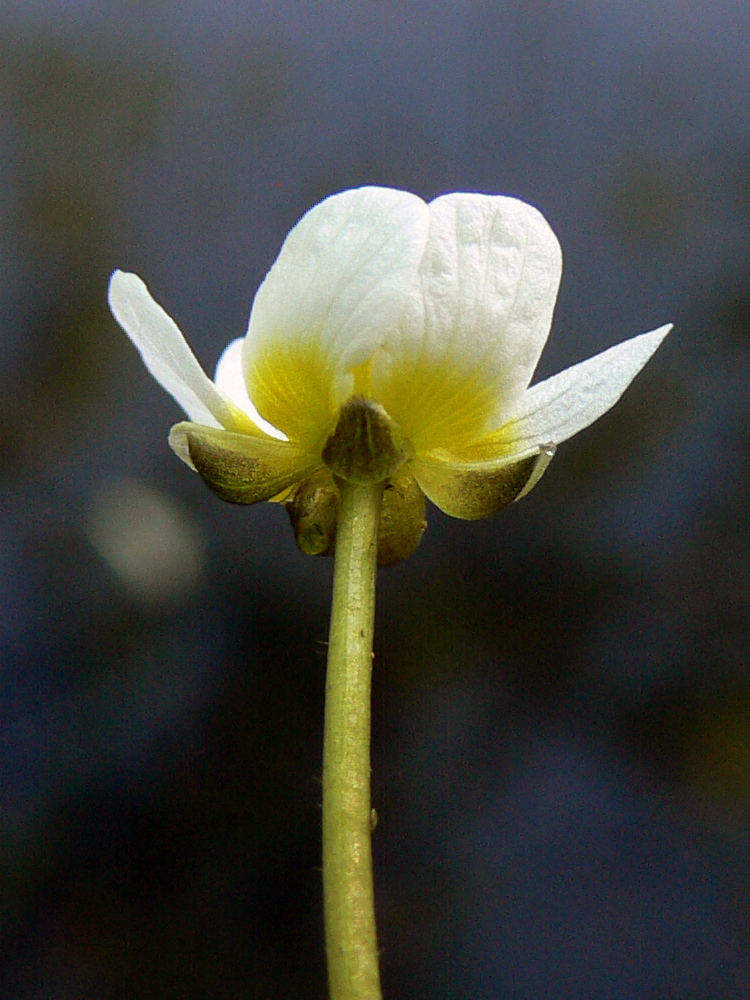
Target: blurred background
561,694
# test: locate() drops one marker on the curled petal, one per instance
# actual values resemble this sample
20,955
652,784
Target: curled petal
167,356
241,468
340,282
477,320
470,490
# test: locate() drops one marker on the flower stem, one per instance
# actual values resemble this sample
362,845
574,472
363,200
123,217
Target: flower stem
351,940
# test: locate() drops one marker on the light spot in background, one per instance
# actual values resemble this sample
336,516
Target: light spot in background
147,540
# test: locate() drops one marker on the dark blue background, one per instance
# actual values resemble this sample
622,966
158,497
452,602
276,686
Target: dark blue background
561,694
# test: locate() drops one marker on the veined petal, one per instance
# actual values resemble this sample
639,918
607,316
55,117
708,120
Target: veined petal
241,468
167,356
561,406
470,490
477,321
340,282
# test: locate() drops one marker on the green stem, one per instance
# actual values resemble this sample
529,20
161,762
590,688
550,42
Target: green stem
351,940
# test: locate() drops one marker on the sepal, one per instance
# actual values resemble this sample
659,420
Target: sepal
313,508
471,490
313,511
402,519
366,446
240,468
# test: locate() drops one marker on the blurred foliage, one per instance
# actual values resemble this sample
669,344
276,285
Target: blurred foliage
163,760
635,435
260,84
74,114
733,311
649,200
204,875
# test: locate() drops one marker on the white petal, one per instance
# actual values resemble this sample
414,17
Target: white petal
480,314
338,286
230,380
165,351
561,406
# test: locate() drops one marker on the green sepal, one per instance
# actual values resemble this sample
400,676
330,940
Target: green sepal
402,519
241,468
313,511
366,445
471,490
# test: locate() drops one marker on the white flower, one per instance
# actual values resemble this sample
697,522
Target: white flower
434,316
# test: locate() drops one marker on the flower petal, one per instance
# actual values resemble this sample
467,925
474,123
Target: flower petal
338,286
241,468
477,322
561,406
230,380
167,356
470,490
